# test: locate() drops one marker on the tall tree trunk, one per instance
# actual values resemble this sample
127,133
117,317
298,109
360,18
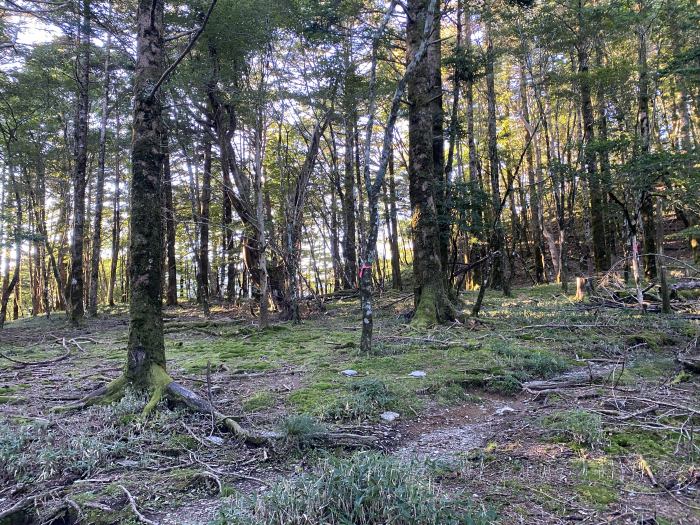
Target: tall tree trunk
533,189
11,283
99,188
349,235
434,59
431,300
600,252
116,222
259,144
394,224
646,205
170,224
146,349
475,185
499,277
76,304
204,214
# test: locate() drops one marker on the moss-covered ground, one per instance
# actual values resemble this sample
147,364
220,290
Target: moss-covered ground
621,446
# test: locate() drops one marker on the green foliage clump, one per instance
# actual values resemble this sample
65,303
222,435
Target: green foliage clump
580,426
365,489
37,451
531,364
258,401
365,398
300,429
655,445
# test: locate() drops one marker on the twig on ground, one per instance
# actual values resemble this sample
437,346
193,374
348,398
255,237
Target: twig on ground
132,502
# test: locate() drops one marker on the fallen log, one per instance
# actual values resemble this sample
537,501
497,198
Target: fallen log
577,378
686,285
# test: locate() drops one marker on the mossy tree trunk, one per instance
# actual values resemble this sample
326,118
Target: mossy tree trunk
646,208
431,300
146,350
373,187
76,306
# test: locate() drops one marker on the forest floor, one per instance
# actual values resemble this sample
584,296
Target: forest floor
610,440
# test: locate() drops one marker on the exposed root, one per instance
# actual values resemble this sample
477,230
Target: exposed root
109,393
195,402
158,380
434,307
134,508
162,385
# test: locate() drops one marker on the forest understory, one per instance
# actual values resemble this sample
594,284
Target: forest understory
544,410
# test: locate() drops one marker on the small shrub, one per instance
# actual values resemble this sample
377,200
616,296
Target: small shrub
584,428
365,489
259,401
299,430
450,394
366,397
532,364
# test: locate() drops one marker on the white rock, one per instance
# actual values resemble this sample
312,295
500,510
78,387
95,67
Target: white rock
418,373
349,373
389,416
504,410
215,439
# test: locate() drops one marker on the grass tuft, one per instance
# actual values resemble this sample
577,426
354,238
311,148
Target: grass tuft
365,489
580,426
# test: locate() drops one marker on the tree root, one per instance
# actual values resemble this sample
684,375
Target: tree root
162,385
435,307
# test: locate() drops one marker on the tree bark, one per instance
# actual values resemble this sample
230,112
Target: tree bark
116,222
76,308
204,213
170,225
646,205
99,187
597,209
349,234
11,283
146,349
394,224
499,277
431,300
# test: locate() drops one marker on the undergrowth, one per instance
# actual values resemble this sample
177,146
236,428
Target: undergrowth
365,489
579,426
39,451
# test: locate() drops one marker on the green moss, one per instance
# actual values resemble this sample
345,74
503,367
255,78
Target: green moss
598,495
654,368
426,311
652,339
580,426
313,399
258,401
650,445
11,400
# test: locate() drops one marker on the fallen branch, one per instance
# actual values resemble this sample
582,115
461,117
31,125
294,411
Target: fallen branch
39,363
132,502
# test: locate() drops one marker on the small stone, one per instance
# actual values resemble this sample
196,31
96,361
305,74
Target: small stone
504,410
215,439
418,373
389,416
349,373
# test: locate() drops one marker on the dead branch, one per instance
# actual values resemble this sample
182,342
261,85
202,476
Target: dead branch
134,508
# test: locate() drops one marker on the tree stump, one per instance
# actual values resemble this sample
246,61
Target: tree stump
584,287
